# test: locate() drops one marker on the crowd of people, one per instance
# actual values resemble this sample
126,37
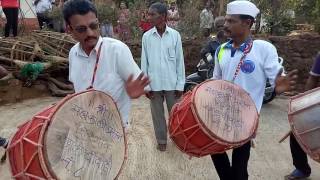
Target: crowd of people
121,30
238,58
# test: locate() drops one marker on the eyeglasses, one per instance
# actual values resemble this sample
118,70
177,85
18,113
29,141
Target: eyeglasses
82,29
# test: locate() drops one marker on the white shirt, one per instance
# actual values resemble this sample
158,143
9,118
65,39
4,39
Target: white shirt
206,19
162,59
261,63
116,64
43,6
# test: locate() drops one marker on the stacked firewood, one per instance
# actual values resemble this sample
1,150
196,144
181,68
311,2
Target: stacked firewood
37,56
54,43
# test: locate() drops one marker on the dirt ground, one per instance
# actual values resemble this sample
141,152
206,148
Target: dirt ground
269,160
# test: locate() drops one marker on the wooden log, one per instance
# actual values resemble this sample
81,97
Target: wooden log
58,92
60,84
21,64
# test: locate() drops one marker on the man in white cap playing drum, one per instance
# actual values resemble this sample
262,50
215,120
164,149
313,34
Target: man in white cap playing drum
247,63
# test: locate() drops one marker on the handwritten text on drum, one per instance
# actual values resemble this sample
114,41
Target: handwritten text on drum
224,96
74,153
93,120
82,133
226,107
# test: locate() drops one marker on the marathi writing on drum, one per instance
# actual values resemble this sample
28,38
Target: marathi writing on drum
101,119
82,133
227,107
79,160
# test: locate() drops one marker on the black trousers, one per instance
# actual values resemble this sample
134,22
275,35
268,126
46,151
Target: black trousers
12,21
239,168
299,157
43,18
2,141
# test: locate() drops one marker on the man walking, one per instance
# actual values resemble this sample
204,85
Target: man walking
162,60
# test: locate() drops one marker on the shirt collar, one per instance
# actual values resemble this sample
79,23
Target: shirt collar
80,51
154,30
242,46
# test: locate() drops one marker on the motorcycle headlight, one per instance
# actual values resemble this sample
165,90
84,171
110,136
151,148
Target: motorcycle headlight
209,58
201,62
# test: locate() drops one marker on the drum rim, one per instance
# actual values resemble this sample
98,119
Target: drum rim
293,127
211,134
57,106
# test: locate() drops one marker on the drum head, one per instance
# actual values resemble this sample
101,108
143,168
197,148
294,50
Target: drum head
226,111
305,122
85,138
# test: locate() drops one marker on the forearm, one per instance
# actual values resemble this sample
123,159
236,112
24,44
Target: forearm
312,82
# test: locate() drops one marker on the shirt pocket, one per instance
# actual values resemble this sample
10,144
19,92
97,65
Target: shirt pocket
171,54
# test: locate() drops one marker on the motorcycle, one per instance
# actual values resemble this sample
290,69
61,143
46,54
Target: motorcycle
269,93
205,69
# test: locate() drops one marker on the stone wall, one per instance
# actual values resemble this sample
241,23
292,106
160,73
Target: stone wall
298,52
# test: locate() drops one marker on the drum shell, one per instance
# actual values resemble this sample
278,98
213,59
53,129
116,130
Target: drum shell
27,151
190,133
303,116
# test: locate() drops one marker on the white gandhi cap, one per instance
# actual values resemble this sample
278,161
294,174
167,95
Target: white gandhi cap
242,7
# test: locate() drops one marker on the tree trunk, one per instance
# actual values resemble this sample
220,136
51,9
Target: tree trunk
221,7
275,7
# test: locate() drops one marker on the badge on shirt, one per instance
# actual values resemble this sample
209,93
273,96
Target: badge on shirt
248,66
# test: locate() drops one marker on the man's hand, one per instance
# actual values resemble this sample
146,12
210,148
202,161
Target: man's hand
150,95
178,94
286,83
135,88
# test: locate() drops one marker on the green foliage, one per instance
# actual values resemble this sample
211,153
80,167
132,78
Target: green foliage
135,16
107,14
306,11
58,21
189,24
276,14
56,14
280,25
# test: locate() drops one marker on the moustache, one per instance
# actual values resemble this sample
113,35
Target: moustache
89,38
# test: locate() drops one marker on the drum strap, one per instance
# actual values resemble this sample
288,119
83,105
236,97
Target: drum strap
96,66
246,51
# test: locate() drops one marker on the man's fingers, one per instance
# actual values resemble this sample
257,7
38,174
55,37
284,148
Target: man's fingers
130,78
140,76
145,81
293,82
293,73
294,77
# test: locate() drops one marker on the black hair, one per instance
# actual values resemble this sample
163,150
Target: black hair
74,7
160,8
246,17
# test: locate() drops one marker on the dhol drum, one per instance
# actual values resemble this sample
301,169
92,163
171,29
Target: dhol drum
81,137
212,118
304,119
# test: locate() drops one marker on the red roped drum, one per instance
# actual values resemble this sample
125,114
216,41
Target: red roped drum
304,118
212,118
81,137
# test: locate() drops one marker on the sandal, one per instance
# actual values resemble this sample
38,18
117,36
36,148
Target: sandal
296,174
